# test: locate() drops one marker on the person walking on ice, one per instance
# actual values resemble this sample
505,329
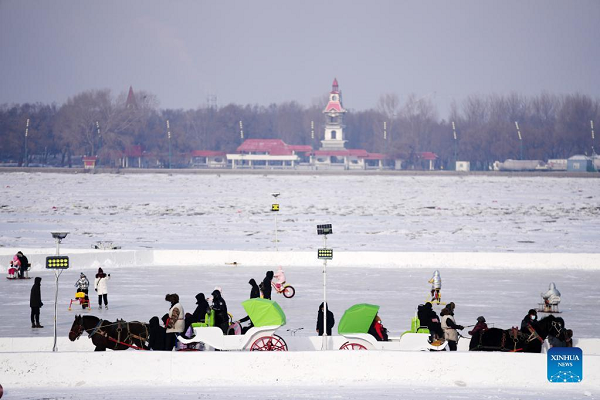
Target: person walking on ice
101,288
436,286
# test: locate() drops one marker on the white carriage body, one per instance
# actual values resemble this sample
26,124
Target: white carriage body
214,337
406,342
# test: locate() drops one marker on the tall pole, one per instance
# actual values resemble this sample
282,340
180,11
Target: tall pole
169,138
520,138
324,346
593,137
26,149
276,242
55,348
384,130
455,144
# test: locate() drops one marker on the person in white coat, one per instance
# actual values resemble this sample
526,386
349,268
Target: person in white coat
436,286
101,287
551,297
176,321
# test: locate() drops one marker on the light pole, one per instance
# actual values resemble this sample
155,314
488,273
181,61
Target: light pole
57,263
520,138
455,144
324,254
593,137
169,138
26,149
275,209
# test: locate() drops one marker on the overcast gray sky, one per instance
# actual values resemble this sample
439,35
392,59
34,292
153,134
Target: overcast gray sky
262,52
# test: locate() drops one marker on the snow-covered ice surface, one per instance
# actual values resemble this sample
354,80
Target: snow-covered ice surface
363,392
368,213
138,293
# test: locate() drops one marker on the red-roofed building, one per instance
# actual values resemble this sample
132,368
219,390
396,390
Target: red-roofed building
268,153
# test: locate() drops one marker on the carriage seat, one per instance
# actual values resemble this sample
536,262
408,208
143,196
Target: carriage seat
80,295
209,320
416,327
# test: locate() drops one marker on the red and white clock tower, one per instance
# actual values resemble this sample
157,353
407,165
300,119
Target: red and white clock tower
334,121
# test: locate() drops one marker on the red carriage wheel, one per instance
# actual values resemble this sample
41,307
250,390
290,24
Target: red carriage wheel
289,292
352,346
269,343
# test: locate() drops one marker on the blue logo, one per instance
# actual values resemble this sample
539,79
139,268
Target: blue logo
565,364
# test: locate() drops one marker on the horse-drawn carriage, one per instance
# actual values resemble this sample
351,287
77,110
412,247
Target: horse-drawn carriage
354,327
266,317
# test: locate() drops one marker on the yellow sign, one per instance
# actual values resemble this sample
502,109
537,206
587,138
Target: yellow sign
57,262
275,207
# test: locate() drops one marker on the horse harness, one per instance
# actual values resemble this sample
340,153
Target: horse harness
512,334
121,324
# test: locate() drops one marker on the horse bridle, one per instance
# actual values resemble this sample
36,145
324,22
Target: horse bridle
559,329
80,329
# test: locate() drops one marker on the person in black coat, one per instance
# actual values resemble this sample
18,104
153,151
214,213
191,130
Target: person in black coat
220,307
158,335
330,320
24,264
202,308
265,285
35,302
430,319
529,320
255,291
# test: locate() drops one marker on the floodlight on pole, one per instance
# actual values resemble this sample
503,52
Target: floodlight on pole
26,145
384,130
593,137
520,138
324,254
57,263
455,144
99,136
169,138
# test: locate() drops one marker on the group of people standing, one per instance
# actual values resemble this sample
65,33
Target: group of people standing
100,287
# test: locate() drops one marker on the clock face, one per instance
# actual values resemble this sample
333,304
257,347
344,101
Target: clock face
334,97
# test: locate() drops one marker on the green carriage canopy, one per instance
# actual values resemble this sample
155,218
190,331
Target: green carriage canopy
358,318
263,312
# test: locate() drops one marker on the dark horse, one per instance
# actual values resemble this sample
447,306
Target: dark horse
120,335
495,339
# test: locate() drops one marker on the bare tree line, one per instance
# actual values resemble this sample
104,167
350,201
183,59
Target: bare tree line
97,123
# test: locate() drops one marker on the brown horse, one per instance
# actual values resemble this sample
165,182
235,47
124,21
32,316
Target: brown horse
512,340
120,335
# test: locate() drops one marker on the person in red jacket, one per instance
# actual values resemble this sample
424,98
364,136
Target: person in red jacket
480,326
378,331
